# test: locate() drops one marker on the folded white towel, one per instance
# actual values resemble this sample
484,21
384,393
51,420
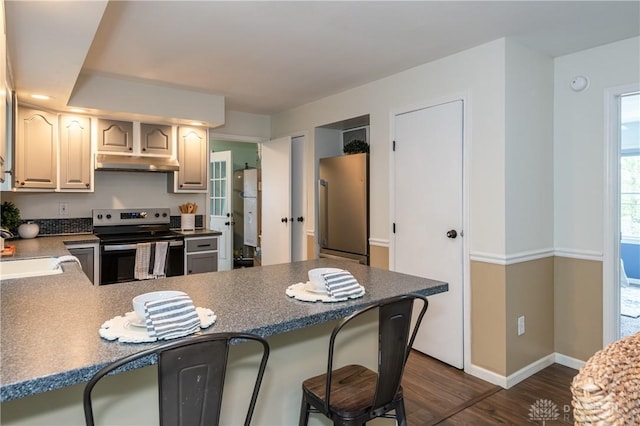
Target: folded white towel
151,260
342,284
172,317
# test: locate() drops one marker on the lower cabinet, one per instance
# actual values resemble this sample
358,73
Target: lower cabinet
201,255
86,254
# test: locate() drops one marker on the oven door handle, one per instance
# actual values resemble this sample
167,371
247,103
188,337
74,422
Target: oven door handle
124,247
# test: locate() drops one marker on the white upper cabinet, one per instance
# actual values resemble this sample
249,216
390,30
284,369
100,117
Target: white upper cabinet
156,139
36,150
192,156
115,136
76,166
46,140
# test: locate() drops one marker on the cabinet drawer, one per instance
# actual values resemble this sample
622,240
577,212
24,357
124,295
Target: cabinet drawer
201,244
201,262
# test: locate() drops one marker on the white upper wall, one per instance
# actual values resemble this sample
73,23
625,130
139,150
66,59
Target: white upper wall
579,140
477,74
245,124
529,150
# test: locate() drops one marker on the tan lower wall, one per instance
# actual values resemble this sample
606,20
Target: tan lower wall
379,257
499,295
488,343
311,247
529,293
578,307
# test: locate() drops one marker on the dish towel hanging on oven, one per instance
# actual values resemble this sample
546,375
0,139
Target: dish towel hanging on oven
151,260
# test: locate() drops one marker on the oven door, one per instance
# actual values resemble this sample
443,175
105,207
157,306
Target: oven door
117,261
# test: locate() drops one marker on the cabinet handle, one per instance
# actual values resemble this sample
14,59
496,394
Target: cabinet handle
87,185
144,149
130,149
22,183
204,245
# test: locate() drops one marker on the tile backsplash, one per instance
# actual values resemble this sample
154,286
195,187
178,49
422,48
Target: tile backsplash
83,225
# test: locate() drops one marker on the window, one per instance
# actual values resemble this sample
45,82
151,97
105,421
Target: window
218,188
630,166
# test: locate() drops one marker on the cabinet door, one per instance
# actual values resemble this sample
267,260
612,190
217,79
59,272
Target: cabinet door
85,256
115,136
202,262
192,156
155,139
36,150
75,152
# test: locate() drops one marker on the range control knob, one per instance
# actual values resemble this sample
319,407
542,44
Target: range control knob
157,214
108,216
164,215
100,216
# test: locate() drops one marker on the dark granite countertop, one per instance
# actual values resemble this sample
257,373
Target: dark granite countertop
200,233
49,325
47,245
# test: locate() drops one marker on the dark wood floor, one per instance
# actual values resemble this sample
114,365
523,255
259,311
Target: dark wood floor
436,393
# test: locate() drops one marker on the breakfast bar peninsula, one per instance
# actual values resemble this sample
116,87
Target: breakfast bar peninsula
51,346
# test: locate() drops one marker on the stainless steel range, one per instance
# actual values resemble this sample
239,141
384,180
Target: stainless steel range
120,230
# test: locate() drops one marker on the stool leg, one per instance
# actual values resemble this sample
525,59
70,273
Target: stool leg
304,412
401,415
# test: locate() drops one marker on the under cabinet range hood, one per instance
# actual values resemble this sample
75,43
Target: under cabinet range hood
136,163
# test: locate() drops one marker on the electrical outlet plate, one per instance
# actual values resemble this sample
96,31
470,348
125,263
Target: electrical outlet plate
521,325
63,209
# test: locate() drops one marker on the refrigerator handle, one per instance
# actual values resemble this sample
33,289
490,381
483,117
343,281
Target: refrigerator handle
323,210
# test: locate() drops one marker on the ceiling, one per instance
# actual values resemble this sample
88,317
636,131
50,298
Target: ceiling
266,57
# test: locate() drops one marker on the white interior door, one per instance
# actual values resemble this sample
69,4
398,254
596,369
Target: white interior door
276,201
298,236
427,206
221,205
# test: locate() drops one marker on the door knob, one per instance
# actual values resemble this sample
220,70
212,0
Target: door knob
452,234
284,220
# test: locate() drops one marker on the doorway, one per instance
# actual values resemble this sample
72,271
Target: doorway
622,112
428,219
241,154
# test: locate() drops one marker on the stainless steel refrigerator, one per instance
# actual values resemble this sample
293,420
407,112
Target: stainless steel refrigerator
343,207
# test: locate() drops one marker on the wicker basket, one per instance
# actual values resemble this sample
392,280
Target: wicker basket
606,390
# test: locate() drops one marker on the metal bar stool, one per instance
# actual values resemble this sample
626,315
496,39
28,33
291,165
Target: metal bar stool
191,374
354,394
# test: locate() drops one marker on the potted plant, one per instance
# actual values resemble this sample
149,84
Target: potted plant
356,147
9,216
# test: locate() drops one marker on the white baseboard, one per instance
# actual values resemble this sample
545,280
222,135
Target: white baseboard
486,375
530,370
525,372
567,361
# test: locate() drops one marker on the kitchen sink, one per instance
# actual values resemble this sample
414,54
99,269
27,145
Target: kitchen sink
33,267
